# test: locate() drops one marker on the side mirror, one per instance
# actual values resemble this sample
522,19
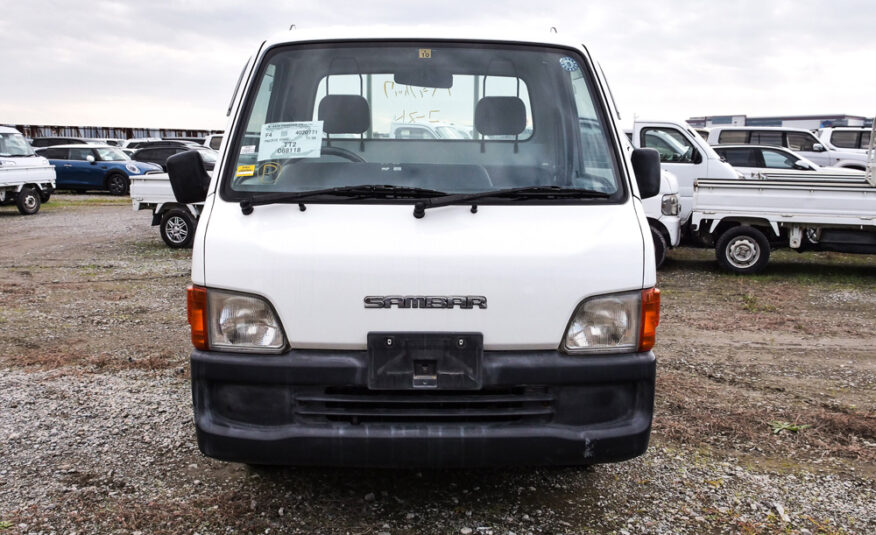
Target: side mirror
90,159
818,147
696,157
646,166
803,165
188,178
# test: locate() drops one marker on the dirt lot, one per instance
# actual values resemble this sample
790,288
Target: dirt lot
96,432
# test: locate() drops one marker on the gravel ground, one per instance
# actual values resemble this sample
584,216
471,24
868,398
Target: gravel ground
96,432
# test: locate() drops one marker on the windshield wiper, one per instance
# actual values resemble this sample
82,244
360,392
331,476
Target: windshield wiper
545,192
367,190
17,155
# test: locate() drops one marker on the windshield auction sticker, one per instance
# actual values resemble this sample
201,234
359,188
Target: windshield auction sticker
281,141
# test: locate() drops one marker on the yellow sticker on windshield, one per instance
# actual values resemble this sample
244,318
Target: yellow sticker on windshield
245,170
425,53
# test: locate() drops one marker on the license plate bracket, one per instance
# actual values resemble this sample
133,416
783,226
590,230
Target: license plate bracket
425,361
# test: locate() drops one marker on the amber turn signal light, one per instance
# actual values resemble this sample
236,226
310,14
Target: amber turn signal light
650,318
197,304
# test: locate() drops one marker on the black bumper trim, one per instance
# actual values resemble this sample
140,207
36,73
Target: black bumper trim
426,444
323,367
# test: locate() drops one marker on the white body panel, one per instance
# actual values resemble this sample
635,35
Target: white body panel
153,188
711,165
534,264
788,199
15,175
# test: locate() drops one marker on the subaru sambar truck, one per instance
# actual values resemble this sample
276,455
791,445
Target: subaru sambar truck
363,300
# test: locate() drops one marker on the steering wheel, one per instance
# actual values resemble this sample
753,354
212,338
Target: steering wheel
339,152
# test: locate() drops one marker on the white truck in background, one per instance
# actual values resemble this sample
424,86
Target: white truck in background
685,154
26,179
176,221
804,211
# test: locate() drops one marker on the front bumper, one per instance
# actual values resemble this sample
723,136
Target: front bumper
312,407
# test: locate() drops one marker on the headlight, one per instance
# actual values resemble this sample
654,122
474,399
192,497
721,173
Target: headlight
616,323
670,204
132,168
234,322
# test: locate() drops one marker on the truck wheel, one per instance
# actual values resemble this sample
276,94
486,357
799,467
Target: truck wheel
117,184
45,196
28,201
659,247
178,229
743,249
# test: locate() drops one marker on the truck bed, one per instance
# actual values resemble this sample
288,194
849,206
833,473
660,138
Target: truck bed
150,190
17,176
787,199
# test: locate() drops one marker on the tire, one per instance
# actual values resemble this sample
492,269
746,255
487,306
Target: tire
45,196
660,247
743,250
28,201
117,184
178,229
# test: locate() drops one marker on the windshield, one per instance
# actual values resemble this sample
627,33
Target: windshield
111,154
14,144
452,118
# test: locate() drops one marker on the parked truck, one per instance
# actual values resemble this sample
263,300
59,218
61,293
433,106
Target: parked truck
363,300
685,154
804,211
176,221
26,179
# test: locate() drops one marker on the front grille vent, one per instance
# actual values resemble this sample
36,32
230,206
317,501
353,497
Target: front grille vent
360,405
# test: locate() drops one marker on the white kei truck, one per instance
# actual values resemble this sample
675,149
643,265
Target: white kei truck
804,211
26,179
361,300
685,154
176,221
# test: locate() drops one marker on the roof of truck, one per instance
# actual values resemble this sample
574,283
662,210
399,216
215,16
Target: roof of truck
539,35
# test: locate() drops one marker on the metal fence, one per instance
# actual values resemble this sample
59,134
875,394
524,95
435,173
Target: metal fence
112,132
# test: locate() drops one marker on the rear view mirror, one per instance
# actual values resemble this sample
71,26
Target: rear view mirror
425,76
188,178
646,166
89,159
818,147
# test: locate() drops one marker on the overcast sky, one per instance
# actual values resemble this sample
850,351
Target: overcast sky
173,64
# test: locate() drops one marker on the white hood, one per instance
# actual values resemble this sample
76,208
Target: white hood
534,264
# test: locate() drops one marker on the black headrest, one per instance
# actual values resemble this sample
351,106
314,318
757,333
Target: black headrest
500,116
344,114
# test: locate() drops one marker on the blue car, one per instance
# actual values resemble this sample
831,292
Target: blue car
94,167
